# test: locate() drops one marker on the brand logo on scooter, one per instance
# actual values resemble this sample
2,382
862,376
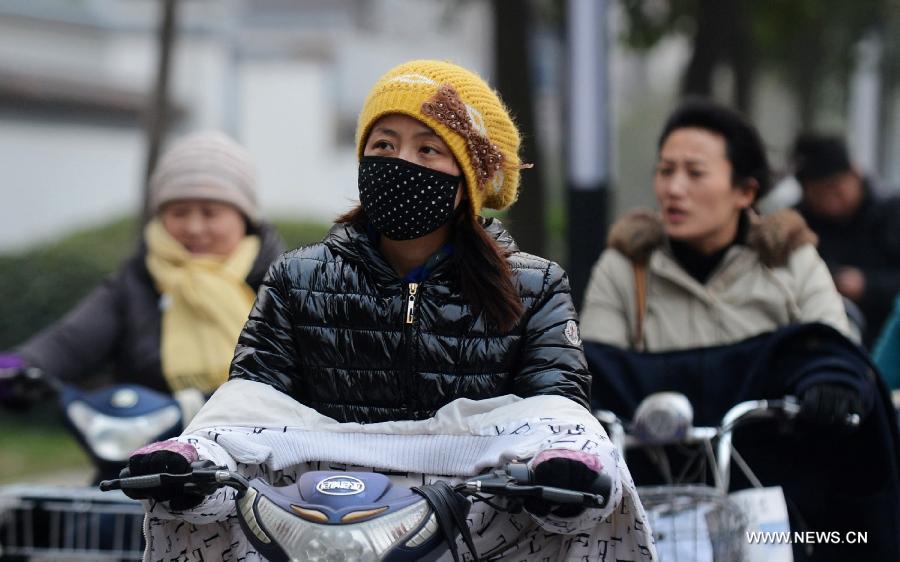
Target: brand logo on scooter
341,486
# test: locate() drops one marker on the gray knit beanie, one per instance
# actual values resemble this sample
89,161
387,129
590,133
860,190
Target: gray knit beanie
207,165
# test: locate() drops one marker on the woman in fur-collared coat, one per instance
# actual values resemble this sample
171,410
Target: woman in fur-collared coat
710,270
768,276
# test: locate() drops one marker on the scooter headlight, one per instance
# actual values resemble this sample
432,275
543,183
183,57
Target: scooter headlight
115,438
367,541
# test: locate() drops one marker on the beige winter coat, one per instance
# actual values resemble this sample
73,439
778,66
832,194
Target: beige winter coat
776,279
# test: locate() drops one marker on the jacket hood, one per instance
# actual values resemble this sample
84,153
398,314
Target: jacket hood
500,235
774,237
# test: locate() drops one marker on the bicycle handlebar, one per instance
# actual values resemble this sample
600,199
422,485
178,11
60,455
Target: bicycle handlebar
791,407
736,416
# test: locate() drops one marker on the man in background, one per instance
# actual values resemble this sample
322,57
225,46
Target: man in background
859,230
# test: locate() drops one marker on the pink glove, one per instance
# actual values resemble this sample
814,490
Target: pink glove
564,468
169,456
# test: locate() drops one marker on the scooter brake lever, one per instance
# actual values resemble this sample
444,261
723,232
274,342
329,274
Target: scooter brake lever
206,474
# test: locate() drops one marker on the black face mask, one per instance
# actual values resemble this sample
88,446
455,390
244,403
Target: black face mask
404,200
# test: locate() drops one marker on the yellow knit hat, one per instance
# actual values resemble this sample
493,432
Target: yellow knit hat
465,112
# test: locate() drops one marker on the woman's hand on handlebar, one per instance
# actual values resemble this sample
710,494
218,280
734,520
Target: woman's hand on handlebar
18,390
830,405
172,457
562,468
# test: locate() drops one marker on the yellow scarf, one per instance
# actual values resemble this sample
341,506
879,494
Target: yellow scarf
207,305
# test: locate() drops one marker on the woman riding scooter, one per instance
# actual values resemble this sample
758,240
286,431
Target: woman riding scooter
170,317
411,303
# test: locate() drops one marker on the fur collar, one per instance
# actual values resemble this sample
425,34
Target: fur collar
774,237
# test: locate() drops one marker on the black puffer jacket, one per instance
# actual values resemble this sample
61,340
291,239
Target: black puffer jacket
119,323
329,329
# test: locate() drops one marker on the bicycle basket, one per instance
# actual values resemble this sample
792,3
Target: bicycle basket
60,523
694,523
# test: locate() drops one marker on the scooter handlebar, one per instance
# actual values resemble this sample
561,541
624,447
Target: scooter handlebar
133,482
513,480
206,478
598,497
516,480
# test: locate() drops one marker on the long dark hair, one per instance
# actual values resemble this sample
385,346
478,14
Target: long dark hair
484,274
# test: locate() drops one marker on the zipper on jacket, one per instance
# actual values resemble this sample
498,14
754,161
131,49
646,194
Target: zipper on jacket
411,303
408,326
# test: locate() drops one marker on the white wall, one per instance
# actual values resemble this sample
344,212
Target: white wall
287,121
282,93
58,177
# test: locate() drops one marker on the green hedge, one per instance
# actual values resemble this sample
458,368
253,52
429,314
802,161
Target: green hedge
39,285
32,450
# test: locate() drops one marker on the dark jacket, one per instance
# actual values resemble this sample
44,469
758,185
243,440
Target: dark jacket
118,325
833,481
329,329
869,241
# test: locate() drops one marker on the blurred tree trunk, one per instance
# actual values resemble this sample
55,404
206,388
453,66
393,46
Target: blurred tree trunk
805,76
158,112
889,89
709,40
722,36
512,64
743,57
